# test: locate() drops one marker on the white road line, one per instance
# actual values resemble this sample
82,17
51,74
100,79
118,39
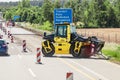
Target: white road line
77,69
31,72
99,75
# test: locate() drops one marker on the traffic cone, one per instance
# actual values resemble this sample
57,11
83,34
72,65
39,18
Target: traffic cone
12,39
8,34
24,46
69,76
39,56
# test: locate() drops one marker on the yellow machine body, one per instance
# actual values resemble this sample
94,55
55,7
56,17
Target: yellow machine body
62,48
62,44
65,40
47,47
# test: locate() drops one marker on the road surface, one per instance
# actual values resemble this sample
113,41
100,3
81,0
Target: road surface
23,66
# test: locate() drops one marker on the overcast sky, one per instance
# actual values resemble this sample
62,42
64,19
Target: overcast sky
9,0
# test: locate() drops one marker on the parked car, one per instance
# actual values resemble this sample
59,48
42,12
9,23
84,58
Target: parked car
3,47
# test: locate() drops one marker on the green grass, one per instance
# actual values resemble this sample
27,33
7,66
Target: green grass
46,26
113,50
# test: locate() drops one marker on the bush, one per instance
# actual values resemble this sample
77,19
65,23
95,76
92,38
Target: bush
46,26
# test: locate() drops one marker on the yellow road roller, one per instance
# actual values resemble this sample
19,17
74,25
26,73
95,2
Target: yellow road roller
65,40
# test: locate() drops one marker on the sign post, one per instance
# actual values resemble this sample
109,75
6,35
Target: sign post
63,15
16,17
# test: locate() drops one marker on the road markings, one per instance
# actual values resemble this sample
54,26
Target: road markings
100,76
31,72
78,70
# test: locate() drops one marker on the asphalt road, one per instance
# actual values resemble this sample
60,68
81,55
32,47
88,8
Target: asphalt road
23,66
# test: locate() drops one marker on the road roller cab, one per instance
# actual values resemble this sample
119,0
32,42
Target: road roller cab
62,38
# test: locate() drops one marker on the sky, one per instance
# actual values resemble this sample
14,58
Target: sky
9,0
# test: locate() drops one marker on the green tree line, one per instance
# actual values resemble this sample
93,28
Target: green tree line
89,13
12,4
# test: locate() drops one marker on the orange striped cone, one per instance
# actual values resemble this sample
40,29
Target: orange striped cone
12,39
69,76
24,46
8,34
38,55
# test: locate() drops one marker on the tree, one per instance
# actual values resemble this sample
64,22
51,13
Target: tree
74,5
112,19
117,11
78,11
102,12
25,3
47,11
57,4
8,15
92,13
85,12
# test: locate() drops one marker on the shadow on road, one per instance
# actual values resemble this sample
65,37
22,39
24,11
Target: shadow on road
4,55
70,57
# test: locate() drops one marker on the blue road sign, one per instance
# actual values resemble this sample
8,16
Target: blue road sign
63,15
16,17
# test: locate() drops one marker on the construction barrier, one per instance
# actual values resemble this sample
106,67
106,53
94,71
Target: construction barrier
12,39
24,46
38,55
8,34
69,76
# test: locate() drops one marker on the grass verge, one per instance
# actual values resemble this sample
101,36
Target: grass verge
46,26
38,29
112,50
